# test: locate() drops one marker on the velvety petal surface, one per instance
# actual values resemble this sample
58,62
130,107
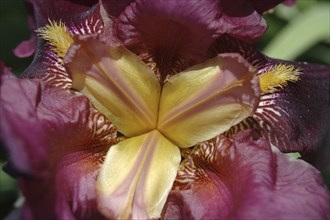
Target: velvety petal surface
207,99
177,34
170,32
118,83
294,118
137,176
57,140
245,179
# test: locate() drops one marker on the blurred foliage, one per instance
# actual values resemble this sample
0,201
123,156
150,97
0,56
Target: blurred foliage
301,33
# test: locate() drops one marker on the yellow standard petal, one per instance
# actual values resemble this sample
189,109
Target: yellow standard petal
136,177
207,99
118,83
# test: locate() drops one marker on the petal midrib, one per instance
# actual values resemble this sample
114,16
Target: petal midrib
187,108
125,93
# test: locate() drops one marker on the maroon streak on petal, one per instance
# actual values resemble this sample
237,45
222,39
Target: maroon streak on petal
295,118
46,64
245,179
292,119
58,140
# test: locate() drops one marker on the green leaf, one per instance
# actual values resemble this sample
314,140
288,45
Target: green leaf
302,32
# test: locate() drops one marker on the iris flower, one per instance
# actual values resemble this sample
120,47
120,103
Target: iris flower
161,109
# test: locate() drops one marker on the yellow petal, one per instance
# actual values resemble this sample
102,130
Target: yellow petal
137,176
207,99
118,83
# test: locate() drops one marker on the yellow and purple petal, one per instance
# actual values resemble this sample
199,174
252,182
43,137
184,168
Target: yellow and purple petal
137,176
207,99
118,83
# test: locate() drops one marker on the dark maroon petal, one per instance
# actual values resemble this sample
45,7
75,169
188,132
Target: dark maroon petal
245,179
58,140
69,193
293,119
170,31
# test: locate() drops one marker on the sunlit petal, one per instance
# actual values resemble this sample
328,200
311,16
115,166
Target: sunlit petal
207,99
119,84
137,176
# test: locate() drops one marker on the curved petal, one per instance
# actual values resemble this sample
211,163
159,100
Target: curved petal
57,145
207,99
177,34
137,176
160,28
295,118
245,179
118,83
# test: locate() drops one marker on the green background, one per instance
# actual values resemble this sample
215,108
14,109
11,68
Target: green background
298,33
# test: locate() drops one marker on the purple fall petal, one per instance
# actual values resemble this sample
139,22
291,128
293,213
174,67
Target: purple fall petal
245,179
69,193
294,118
58,140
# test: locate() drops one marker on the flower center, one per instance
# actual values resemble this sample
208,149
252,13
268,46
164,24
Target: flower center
193,106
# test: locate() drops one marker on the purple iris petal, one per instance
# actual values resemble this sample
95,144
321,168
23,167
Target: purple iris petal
245,179
294,118
58,140
178,33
